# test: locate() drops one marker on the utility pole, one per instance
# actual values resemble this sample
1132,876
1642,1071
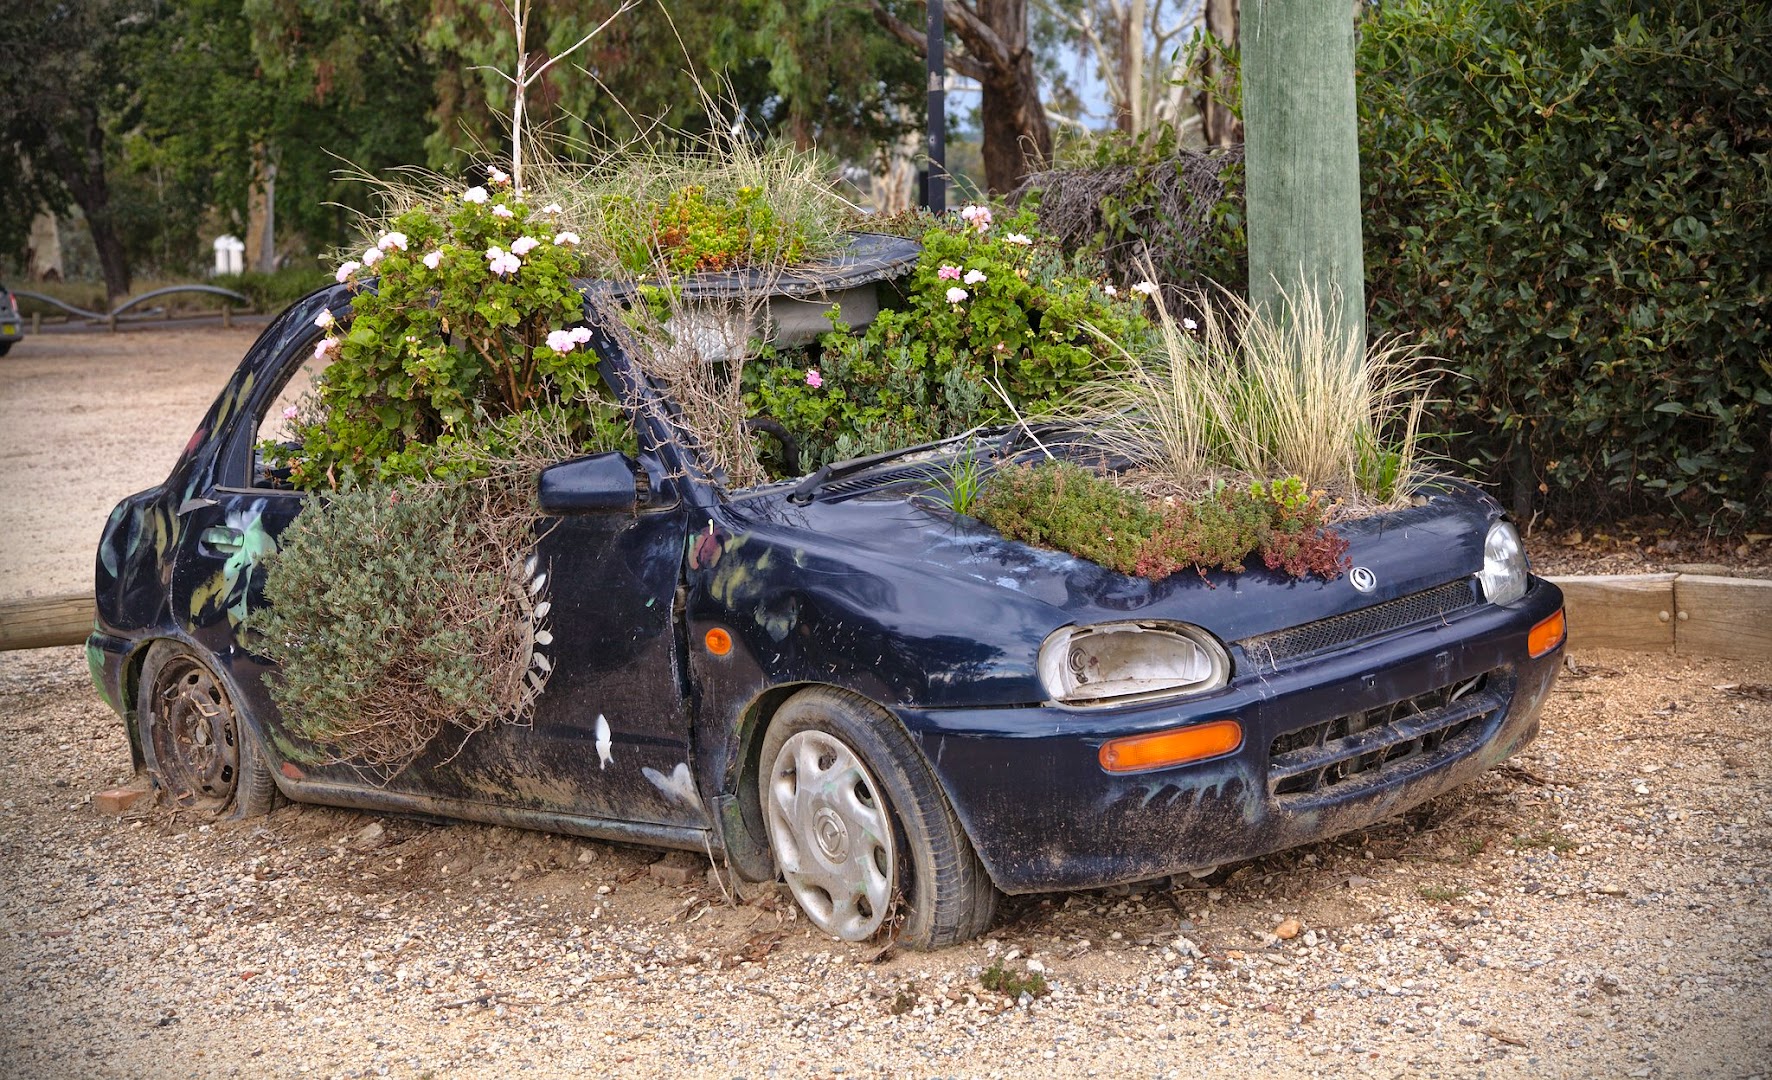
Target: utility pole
1302,153
937,200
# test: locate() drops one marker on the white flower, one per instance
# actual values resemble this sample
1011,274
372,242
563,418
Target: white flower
979,217
372,256
1189,324
523,245
347,269
581,334
561,341
957,294
324,320
323,348
498,175
551,208
475,195
501,263
434,259
1149,288
973,277
502,211
392,240
566,239
1110,290
1019,238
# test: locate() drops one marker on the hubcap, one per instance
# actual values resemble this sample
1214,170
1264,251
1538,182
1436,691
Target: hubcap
831,834
196,738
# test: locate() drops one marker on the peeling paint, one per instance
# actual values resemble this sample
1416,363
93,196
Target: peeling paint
603,742
679,785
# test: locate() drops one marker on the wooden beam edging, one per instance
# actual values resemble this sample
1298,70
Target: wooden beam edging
38,622
1690,614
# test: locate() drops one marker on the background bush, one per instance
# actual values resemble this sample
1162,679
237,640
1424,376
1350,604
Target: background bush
1571,201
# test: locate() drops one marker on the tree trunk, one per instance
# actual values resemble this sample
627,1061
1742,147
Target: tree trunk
81,169
1219,124
1302,157
1017,138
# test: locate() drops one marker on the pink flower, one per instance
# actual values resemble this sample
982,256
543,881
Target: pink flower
324,320
346,270
502,211
973,277
372,256
523,245
561,341
979,217
565,239
581,335
475,195
289,413
813,378
948,273
392,240
324,347
434,259
498,175
1018,238
501,262
957,294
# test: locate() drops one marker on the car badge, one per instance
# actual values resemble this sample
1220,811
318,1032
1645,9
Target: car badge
1362,579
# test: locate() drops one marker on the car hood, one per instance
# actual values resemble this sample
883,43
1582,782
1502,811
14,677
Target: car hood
1406,551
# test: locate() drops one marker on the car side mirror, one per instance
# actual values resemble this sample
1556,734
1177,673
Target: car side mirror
601,483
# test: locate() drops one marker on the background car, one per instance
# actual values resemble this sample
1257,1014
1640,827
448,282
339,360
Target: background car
836,680
11,327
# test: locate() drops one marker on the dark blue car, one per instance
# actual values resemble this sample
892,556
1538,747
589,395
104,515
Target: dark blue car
836,681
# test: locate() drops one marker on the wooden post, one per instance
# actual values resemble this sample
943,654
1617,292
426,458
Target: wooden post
42,621
1302,154
227,315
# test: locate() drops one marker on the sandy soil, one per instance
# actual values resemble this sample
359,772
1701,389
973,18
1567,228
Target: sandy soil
86,419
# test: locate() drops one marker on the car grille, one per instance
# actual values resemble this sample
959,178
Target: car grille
1368,746
1273,650
876,480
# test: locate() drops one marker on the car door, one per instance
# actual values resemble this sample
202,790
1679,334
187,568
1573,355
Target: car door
609,737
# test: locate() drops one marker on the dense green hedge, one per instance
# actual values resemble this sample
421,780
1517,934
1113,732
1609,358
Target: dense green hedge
1572,200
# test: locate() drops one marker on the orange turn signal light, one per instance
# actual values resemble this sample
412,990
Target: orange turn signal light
1178,746
719,642
1547,635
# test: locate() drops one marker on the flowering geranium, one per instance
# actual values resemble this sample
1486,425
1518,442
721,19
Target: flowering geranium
372,256
1022,239
813,378
346,269
498,175
523,245
957,295
475,195
979,217
433,259
503,211
1148,288
324,347
502,262
551,208
390,241
948,273
325,320
566,239
974,277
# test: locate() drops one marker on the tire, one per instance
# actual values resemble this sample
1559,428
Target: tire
198,750
5,347
861,831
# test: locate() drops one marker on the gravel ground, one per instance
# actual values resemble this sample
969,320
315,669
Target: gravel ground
1599,907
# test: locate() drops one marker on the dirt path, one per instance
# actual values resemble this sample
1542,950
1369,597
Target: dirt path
1599,910
85,419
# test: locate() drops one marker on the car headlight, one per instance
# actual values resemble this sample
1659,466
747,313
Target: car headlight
1115,663
1504,565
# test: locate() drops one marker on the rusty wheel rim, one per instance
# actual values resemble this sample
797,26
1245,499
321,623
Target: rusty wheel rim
196,736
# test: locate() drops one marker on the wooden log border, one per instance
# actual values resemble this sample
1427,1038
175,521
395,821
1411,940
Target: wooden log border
1689,614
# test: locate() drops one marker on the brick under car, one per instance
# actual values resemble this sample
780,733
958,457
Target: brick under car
837,681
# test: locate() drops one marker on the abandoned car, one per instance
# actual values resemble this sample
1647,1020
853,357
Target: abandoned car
833,680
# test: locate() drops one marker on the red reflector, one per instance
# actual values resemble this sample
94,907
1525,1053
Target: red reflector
1547,635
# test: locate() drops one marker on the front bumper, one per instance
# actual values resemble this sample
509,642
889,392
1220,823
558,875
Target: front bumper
1043,815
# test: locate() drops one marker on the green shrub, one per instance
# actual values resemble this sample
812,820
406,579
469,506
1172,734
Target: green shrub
691,232
395,614
275,291
990,307
1570,199
1061,505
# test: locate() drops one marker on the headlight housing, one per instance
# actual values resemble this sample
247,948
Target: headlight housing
1118,663
1504,565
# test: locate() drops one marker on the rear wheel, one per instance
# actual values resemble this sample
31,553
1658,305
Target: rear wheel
198,751
861,831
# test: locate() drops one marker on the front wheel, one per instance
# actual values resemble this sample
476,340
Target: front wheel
860,829
198,751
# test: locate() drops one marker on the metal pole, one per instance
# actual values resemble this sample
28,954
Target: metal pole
938,118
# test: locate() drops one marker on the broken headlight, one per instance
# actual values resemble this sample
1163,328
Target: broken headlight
1116,663
1504,565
